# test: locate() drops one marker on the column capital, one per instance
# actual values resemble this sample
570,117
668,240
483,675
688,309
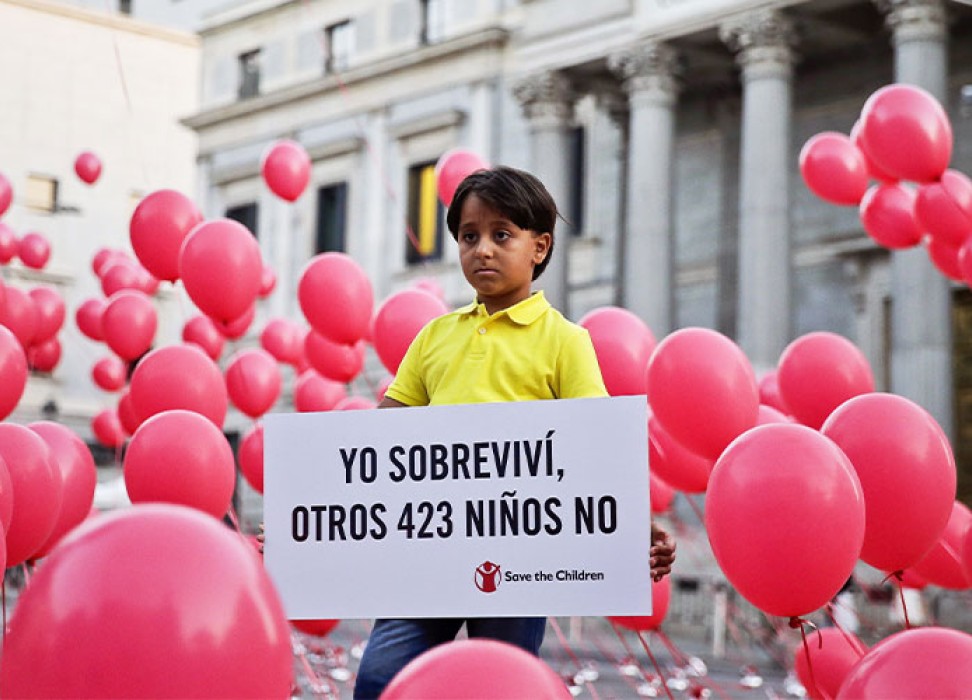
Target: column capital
764,42
648,69
547,98
914,20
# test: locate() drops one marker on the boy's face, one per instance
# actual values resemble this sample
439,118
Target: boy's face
497,256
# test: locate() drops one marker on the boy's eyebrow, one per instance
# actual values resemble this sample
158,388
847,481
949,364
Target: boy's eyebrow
501,221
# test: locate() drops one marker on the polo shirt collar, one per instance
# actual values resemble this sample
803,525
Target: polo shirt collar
523,313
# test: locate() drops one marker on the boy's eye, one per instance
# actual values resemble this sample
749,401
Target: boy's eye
468,237
502,235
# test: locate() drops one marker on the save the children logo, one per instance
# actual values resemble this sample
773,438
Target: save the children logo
487,577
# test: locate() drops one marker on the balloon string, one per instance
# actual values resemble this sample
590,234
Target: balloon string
847,638
609,655
26,575
904,607
796,622
679,654
317,686
695,508
628,650
570,652
654,662
3,595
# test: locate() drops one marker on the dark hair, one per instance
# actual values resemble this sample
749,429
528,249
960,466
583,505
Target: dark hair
515,194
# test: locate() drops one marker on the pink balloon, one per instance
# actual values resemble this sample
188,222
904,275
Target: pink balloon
768,414
833,653
109,373
6,502
181,457
676,464
946,258
37,491
120,274
44,357
931,662
769,392
312,392
50,312
19,314
702,389
336,361
126,413
153,601
662,494
399,319
179,377
251,457
623,344
220,265
159,225
887,215
147,282
73,460
9,243
13,372
898,451
129,323
107,256
88,318
236,328
34,250
764,490
430,285
383,387
833,168
87,166
819,371
283,339
317,628
6,194
944,208
268,280
355,403
201,331
335,296
452,168
661,593
107,428
286,169
253,381
906,132
873,170
944,564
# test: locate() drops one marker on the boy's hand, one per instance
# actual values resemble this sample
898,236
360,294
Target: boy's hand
662,553
260,536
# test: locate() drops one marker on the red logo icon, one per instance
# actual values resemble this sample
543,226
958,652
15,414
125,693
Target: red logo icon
487,577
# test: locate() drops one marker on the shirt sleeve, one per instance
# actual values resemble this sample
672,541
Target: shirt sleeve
579,375
408,386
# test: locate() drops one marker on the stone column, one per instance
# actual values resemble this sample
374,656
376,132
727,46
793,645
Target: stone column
647,274
548,104
763,41
921,322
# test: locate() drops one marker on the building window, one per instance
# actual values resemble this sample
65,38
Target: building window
249,74
245,214
41,193
332,207
338,46
578,190
432,21
125,7
425,216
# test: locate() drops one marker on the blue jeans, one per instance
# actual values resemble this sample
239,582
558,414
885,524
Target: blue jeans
393,643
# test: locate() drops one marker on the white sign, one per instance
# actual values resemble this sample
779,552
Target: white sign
487,510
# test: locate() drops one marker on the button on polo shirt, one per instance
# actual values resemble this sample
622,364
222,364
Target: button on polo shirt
526,352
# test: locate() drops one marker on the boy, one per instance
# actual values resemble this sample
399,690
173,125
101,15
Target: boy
508,345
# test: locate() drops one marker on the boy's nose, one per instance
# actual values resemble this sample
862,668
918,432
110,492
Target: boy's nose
484,248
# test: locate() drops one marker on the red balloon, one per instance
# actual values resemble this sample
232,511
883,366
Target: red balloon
107,256
818,372
253,381
906,132
9,243
833,653
873,170
286,169
898,451
931,662
452,168
181,457
34,250
110,373
159,225
19,314
152,601
147,282
201,331
399,319
335,296
679,466
946,258
383,387
283,339
769,392
13,372
944,565
702,389
88,318
120,274
236,329
50,312
87,166
268,280
37,491
251,457
661,593
476,668
129,323
910,579
179,376
355,403
220,265
768,414
662,494
430,285
887,215
45,356
6,194
336,361
6,501
764,490
833,168
312,392
107,428
317,628
126,413
73,460
623,344
944,208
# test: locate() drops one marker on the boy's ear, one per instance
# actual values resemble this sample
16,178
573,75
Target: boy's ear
541,244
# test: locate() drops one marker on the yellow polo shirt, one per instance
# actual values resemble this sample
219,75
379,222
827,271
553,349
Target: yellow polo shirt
524,353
